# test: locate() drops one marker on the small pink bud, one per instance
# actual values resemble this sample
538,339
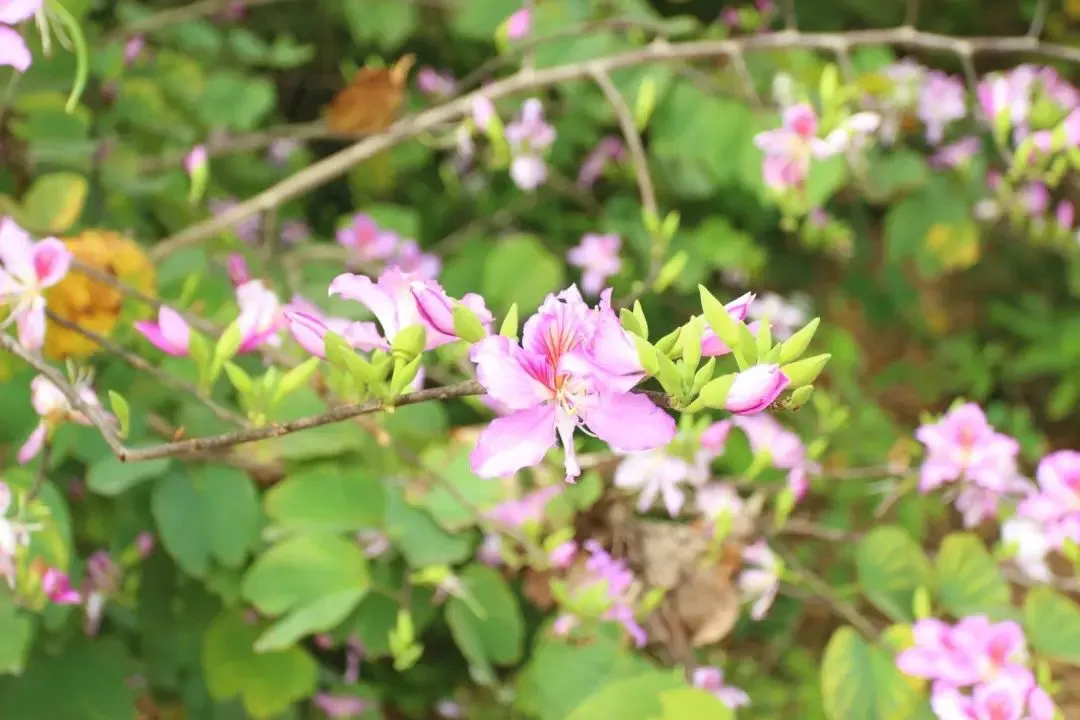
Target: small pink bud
518,24
195,160
755,389
238,270
58,587
714,438
434,307
308,331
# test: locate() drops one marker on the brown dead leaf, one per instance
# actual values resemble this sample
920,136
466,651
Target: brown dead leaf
369,102
536,587
703,596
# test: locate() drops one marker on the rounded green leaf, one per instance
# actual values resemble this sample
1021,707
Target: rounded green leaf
968,580
891,566
693,703
303,569
862,681
109,476
326,496
1052,622
315,617
633,698
520,270
501,631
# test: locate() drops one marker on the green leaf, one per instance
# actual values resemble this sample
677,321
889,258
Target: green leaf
862,681
55,201
1052,622
693,703
386,24
419,537
210,512
16,634
898,171
326,496
122,411
267,683
968,580
559,676
303,569
633,698
826,177
891,565
87,680
519,269
234,101
481,18
110,476
501,630
317,616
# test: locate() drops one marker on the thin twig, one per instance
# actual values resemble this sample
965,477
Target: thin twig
633,140
791,18
1038,21
336,165
142,365
911,17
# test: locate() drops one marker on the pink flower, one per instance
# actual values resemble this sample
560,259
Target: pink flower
342,707
598,256
714,438
1065,215
483,112
13,12
437,309
525,510
529,137
13,49
711,345
785,315
53,408
392,300
755,389
248,229
957,154
57,587
962,444
238,270
1035,199
656,474
1056,504
760,581
785,449
552,384
518,24
196,159
942,102
281,150
260,318
563,555
133,48
609,149
971,652
170,333
432,82
409,258
790,148
28,269
294,232
711,679
366,240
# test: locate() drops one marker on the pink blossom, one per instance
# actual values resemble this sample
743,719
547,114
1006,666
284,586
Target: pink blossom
715,499
609,149
518,24
483,112
281,149
170,333
437,309
366,240
786,450
563,555
711,679
1035,199
714,438
29,268
432,82
525,510
1056,504
598,256
555,381
957,154
342,707
53,407
790,148
237,268
248,229
392,299
196,159
529,137
308,325
942,102
261,318
759,582
619,583
738,309
13,535
410,258
755,389
1065,215
13,12
963,444
294,232
972,651
133,48
144,543
13,49
656,474
57,587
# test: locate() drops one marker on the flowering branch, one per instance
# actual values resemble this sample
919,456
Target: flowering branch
336,165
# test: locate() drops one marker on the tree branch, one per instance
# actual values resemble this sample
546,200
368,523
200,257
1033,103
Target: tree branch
336,165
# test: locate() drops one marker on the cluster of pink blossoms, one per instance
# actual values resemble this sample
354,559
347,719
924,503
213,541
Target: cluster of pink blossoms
28,269
977,669
15,533
600,568
963,448
370,244
1055,506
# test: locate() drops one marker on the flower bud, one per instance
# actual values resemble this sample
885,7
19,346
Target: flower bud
197,167
434,307
755,388
308,331
238,270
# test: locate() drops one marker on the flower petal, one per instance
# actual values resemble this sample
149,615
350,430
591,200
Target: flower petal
513,442
505,371
629,422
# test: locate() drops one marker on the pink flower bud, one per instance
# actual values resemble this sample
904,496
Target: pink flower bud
195,160
308,330
714,438
434,307
518,24
755,389
58,587
483,111
563,556
238,270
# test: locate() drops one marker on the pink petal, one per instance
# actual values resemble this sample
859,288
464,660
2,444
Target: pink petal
364,336
308,331
13,12
13,49
30,323
513,442
16,247
629,422
503,369
174,329
33,444
361,289
51,261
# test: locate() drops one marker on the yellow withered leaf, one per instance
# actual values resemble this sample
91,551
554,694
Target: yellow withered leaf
370,101
93,305
954,246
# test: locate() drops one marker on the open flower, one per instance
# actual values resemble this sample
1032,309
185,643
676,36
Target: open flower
529,137
13,49
760,581
656,474
962,444
367,241
790,148
309,325
942,102
598,257
170,333
1055,506
711,679
57,586
551,385
261,318
53,408
786,450
28,269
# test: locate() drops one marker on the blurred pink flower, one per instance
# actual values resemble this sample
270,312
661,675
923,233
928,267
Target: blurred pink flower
962,444
759,582
519,24
366,240
170,333
53,408
29,268
711,679
57,587
598,256
942,102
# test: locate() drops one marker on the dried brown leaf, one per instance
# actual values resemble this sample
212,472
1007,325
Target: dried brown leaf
370,101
